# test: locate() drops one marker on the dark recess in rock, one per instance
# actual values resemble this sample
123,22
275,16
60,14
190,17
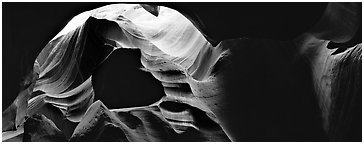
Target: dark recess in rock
118,80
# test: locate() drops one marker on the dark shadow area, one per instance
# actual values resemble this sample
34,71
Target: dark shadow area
119,82
270,94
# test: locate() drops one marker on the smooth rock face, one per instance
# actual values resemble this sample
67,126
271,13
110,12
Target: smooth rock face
338,87
39,128
173,85
144,124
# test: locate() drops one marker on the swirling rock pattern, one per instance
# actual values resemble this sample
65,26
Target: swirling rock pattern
64,67
199,81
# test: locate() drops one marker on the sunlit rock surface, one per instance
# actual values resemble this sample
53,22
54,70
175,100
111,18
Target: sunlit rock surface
206,89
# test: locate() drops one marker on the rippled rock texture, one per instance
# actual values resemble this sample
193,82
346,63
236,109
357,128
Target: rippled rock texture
130,72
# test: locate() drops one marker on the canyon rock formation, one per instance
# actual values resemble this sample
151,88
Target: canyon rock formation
139,72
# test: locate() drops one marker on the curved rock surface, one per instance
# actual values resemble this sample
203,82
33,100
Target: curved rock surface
242,89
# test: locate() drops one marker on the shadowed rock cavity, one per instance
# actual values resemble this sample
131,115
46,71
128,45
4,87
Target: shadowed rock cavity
118,81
